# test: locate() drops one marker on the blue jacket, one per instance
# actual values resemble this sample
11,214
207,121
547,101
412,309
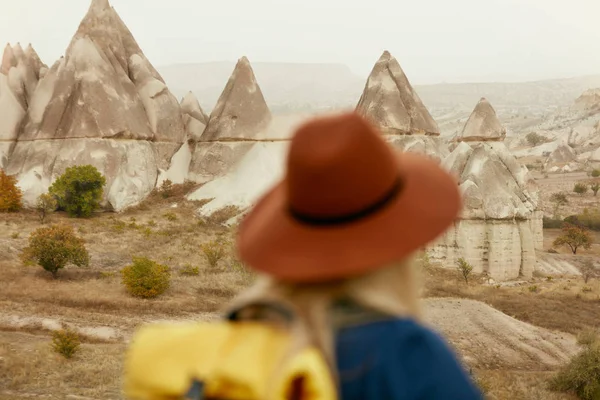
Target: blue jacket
398,359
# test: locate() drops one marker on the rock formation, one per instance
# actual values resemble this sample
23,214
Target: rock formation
20,72
589,100
483,125
392,105
563,159
259,167
240,117
501,225
194,121
102,104
194,118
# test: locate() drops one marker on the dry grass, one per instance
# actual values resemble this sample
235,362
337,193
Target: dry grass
559,304
28,365
518,385
94,297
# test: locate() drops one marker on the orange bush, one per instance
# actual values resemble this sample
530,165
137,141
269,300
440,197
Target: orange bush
10,195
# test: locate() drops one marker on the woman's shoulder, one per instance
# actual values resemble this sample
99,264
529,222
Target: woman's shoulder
409,353
395,329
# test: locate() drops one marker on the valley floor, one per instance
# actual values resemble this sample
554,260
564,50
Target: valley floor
513,337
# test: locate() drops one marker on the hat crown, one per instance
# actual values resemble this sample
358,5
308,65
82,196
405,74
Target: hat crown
339,166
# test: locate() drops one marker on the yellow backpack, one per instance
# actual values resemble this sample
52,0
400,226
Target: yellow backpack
233,360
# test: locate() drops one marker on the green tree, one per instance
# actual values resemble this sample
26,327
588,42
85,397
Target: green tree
580,188
465,269
10,195
574,237
55,247
559,200
535,139
596,173
146,278
79,190
46,204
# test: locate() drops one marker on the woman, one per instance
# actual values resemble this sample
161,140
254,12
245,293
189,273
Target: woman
335,241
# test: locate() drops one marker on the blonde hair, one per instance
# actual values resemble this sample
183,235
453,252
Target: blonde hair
391,290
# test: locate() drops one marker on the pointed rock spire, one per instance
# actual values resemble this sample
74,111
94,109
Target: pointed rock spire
483,125
99,5
34,61
8,59
390,102
241,111
18,51
191,106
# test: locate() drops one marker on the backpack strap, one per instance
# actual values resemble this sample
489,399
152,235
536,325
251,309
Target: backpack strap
261,311
346,313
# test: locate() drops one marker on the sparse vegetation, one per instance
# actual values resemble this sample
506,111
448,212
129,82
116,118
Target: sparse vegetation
166,189
596,173
55,247
145,278
464,268
535,139
589,271
46,204
581,188
170,216
534,289
10,195
595,187
582,374
65,342
189,270
574,237
79,190
558,199
213,252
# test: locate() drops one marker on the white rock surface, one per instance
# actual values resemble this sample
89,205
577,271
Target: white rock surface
501,225
102,104
253,167
261,167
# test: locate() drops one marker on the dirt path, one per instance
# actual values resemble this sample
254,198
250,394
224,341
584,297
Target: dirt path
489,339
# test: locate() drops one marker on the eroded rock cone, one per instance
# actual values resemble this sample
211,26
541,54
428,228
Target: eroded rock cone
240,116
241,111
103,104
501,224
390,102
483,125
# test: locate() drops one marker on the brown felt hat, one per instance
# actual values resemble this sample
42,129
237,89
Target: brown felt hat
349,204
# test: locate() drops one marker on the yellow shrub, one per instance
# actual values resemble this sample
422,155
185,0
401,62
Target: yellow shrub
65,342
10,195
146,278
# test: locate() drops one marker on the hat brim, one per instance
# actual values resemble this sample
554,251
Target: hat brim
273,242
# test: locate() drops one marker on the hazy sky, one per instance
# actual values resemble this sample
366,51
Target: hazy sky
434,40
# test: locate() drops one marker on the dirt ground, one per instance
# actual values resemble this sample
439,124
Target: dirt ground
513,347
565,182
